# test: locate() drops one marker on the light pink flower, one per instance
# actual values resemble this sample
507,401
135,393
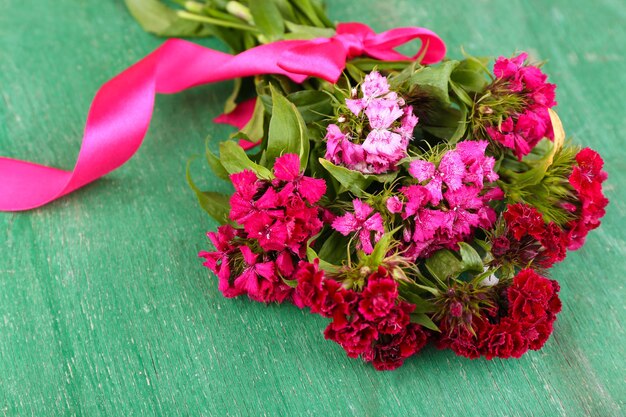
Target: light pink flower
374,85
384,142
382,113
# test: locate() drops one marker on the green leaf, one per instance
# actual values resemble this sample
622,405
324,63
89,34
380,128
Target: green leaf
310,12
324,265
470,259
155,17
459,133
354,181
461,94
444,264
307,32
381,248
367,65
287,131
313,105
423,320
215,164
335,248
293,283
471,74
215,204
234,159
268,19
434,80
230,103
409,291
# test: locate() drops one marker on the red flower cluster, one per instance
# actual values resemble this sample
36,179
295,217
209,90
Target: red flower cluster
278,219
372,324
529,238
533,304
521,132
587,178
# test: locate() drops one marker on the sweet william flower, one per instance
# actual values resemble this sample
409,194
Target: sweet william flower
450,200
391,354
362,222
287,169
503,340
522,219
383,142
394,205
378,298
586,178
382,113
532,297
219,261
396,319
384,127
521,129
310,291
257,278
355,337
374,85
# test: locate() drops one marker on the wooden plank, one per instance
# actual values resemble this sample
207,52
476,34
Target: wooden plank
105,309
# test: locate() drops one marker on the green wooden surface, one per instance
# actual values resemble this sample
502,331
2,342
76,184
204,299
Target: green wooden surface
105,309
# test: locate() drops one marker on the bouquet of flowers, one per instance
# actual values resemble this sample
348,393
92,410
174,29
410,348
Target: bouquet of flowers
406,199
410,201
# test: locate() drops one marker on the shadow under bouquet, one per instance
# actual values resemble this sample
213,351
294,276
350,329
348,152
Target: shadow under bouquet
405,202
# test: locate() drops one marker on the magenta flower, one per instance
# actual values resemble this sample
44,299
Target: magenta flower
257,278
522,131
362,223
450,201
394,205
287,168
219,261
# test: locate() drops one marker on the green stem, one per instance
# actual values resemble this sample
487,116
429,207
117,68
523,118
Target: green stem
216,22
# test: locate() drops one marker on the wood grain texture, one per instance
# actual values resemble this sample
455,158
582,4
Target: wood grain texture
105,309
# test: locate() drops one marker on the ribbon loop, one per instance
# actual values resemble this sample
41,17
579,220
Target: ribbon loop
122,108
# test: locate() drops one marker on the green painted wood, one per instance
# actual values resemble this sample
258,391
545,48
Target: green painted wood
105,310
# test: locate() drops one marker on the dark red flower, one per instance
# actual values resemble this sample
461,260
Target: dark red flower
390,353
460,340
378,298
522,219
587,178
529,296
503,340
538,333
355,337
396,319
554,240
310,292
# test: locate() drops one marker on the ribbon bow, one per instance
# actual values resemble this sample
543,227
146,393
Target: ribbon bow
121,110
326,57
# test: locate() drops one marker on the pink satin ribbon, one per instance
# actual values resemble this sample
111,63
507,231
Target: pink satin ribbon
121,110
